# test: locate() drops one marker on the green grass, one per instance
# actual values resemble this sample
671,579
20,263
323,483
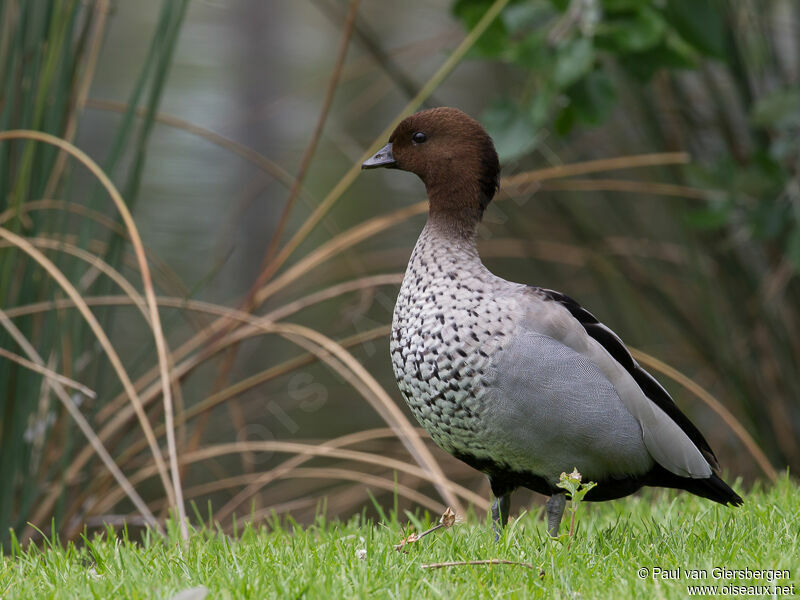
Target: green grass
612,542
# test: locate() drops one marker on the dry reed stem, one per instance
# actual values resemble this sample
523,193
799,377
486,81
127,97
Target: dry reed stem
250,155
390,485
374,393
96,262
267,477
97,329
155,319
248,383
597,166
279,313
296,186
344,183
305,162
78,209
307,450
137,446
336,357
714,404
85,428
355,235
627,186
61,303
487,561
337,244
48,373
259,480
102,266
247,478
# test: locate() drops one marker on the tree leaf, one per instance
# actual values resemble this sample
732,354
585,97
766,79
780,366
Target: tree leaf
634,32
793,248
701,23
512,129
573,61
494,40
779,109
592,98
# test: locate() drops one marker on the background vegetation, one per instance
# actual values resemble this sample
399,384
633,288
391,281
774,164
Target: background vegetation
227,345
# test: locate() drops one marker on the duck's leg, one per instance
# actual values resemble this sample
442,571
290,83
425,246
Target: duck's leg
555,510
500,510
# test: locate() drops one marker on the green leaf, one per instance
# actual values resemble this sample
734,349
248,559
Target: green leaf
574,59
592,98
565,120
710,218
494,41
532,53
793,248
781,108
512,129
701,23
523,16
541,107
635,32
610,6
671,53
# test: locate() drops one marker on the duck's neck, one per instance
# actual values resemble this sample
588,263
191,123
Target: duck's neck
449,245
452,232
456,209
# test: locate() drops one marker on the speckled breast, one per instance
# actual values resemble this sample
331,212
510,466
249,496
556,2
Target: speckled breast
447,326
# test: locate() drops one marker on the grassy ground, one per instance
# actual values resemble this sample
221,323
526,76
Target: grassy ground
613,541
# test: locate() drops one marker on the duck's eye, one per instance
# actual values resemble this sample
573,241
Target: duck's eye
419,138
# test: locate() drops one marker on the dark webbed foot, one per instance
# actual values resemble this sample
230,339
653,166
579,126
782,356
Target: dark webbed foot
500,510
555,510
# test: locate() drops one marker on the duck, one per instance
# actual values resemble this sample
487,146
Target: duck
521,382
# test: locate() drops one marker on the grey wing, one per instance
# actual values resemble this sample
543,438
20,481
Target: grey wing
666,441
553,410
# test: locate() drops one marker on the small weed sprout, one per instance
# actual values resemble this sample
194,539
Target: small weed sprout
572,484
